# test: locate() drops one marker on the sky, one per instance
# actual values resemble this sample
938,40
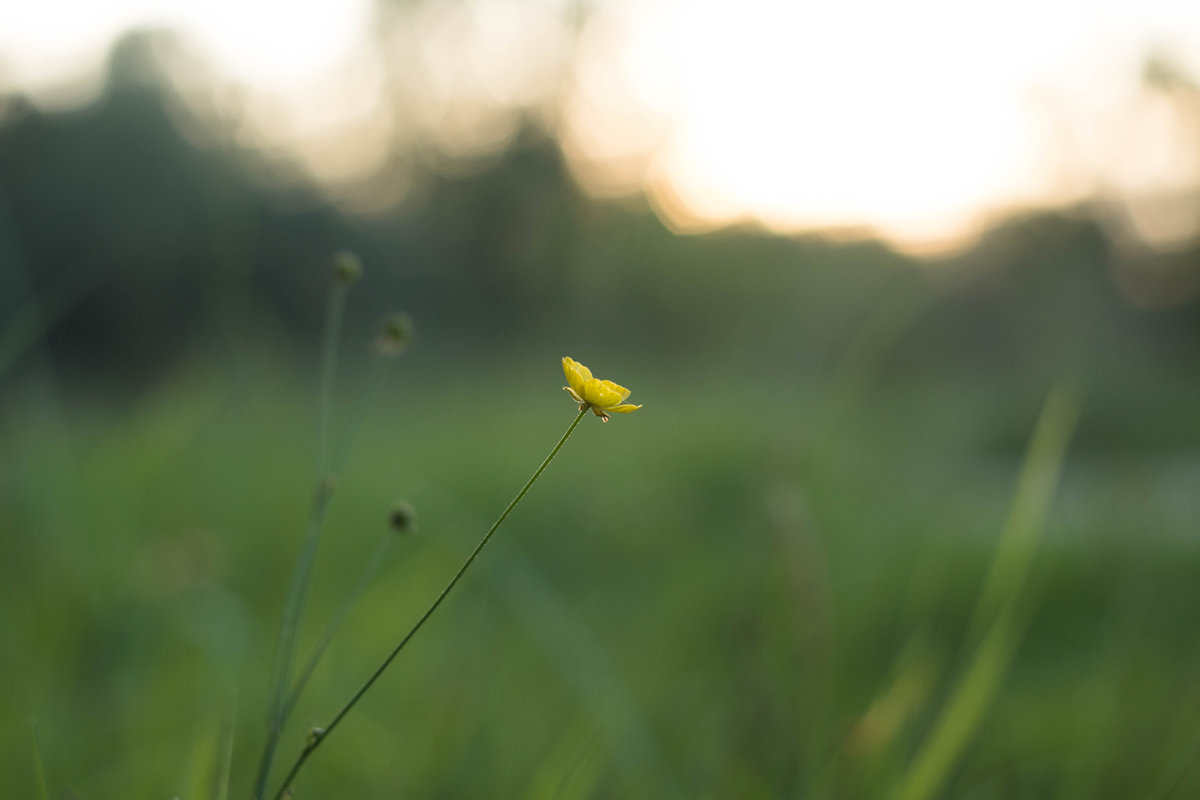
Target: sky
920,120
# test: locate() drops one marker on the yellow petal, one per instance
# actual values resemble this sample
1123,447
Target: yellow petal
574,395
625,409
601,394
577,374
618,388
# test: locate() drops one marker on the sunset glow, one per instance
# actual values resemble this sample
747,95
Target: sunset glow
920,121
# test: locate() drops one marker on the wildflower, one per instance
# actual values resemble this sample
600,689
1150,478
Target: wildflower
602,397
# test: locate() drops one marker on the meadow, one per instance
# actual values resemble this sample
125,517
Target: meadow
891,523
758,586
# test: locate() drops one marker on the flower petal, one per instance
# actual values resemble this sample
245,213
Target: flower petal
603,393
625,409
577,374
574,394
618,388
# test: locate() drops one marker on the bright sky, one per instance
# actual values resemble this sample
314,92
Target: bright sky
48,43
918,119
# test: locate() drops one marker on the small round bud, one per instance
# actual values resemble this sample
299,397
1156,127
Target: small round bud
402,518
347,268
395,334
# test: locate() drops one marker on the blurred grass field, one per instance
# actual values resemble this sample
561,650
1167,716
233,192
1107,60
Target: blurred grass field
735,592
894,522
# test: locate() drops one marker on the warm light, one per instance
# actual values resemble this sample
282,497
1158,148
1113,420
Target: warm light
916,119
265,42
920,120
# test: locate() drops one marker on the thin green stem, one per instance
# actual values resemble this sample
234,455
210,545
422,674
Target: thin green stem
220,786
315,741
329,358
338,618
287,639
383,365
39,765
302,574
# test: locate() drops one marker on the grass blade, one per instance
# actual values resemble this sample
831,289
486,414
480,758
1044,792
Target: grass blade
998,609
39,765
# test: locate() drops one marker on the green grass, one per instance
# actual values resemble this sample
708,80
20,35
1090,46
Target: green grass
719,596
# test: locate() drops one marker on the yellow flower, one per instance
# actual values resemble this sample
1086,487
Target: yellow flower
602,397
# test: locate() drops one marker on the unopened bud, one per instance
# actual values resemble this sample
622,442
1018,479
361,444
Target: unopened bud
402,518
347,268
395,334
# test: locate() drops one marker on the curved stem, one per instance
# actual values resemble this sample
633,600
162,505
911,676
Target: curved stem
331,629
316,740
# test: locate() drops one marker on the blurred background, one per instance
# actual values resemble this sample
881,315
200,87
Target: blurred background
843,253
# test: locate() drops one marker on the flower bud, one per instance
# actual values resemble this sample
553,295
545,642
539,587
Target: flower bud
395,333
346,268
402,517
